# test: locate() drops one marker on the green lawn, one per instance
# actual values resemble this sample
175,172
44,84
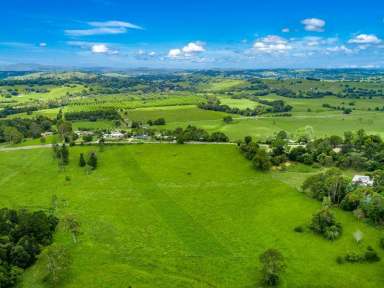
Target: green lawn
181,216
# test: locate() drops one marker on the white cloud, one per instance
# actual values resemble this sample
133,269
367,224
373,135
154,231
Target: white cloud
313,24
96,31
43,44
272,44
340,49
174,53
114,24
99,49
193,47
285,30
365,39
187,51
102,28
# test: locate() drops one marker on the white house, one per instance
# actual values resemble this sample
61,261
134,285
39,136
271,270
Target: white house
362,180
114,135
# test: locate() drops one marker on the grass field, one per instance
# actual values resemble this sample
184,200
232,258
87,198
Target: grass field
54,93
181,216
174,114
323,124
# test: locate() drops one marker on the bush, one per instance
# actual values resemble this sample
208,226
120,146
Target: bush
299,229
324,223
340,260
353,257
273,264
381,242
371,255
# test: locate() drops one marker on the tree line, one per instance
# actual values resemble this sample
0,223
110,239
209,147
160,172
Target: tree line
107,114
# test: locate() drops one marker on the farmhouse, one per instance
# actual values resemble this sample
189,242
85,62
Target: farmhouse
114,135
362,180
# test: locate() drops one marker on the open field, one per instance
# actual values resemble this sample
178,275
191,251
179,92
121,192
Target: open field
174,114
327,123
197,216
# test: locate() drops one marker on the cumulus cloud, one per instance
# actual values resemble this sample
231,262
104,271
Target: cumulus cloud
272,44
189,50
145,55
174,53
285,30
193,47
365,39
99,49
43,44
95,48
313,24
102,28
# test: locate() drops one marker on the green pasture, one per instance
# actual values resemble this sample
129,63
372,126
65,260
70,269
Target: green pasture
180,216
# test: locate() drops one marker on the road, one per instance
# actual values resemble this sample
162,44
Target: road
45,146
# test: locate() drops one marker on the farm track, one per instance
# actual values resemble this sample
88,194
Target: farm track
45,146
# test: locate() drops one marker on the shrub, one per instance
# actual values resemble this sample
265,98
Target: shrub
299,229
371,255
353,257
340,260
324,223
381,242
273,264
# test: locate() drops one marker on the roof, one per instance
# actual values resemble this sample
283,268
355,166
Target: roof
362,179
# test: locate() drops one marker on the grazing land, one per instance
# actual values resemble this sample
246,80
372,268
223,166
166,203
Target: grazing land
188,219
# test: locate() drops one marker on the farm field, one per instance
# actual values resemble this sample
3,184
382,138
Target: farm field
322,124
197,216
184,113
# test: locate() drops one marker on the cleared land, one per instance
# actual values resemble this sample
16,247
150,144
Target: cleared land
196,216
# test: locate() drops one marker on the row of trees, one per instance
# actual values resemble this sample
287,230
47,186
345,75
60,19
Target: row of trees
110,114
192,133
23,234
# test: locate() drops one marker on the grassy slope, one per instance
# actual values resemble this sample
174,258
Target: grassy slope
197,216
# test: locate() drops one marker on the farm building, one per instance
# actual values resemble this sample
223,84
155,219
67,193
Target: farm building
362,180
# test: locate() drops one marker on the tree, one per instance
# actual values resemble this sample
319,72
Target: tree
58,261
273,264
12,135
330,184
92,161
262,161
228,119
59,116
63,155
73,226
247,139
324,223
64,129
82,162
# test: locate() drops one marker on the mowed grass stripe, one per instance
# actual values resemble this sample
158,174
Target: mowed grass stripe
194,236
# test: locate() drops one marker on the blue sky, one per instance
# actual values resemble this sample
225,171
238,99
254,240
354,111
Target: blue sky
193,34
